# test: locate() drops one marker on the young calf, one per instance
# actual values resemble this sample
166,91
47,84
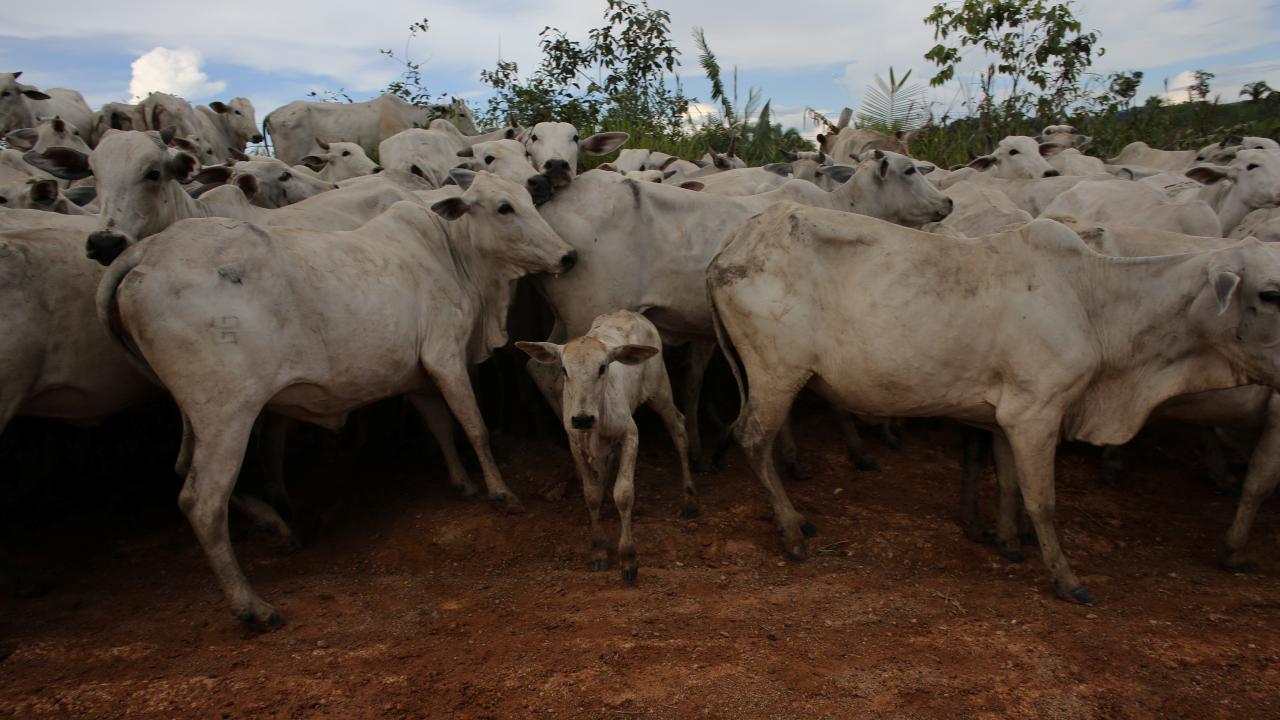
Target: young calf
598,403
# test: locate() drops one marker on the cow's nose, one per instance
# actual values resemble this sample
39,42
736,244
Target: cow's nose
583,422
377,169
569,260
105,246
256,138
1051,173
556,166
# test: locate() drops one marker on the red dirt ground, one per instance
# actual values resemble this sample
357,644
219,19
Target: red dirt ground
409,602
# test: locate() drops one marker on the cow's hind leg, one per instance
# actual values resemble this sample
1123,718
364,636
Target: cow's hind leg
977,449
624,497
757,430
697,358
218,452
1008,539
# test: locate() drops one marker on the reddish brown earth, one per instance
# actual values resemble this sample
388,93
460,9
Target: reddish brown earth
409,602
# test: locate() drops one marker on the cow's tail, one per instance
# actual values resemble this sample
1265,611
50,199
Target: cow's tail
735,366
109,312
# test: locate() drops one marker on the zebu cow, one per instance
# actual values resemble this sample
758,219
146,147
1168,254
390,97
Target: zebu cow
339,161
274,184
1255,185
295,127
644,247
1028,332
599,401
229,126
312,325
979,210
1142,155
1262,224
49,132
432,152
554,148
1133,203
140,192
115,116
39,194
849,144
22,106
1018,157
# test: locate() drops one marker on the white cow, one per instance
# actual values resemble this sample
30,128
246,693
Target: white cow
229,126
1028,332
22,106
295,127
743,181
274,184
979,210
432,152
849,144
312,325
1142,155
554,148
49,132
1133,203
1255,184
1018,157
1262,224
38,194
609,373
115,116
339,161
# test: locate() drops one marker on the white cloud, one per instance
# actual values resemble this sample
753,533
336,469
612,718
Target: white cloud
172,71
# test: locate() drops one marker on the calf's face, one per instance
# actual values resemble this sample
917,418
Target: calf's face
1018,157
896,190
584,362
1244,321
554,148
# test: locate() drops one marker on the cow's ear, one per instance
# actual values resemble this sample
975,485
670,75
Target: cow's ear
467,152
61,162
248,185
1225,284
44,192
322,144
82,195
667,163
925,168
668,174
462,177
607,167
721,161
1082,140
33,93
603,143
838,173
632,354
181,166
693,185
982,163
510,134
1051,149
1210,174
783,169
219,107
314,162
543,352
213,174
23,139
451,208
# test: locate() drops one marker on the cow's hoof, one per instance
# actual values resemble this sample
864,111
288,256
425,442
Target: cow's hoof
507,502
599,565
690,510
1081,595
808,529
979,534
466,490
1012,554
262,621
866,464
629,576
1239,566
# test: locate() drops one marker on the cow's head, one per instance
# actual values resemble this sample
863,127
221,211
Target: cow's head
50,132
1017,157
505,226
554,147
338,161
891,187
1064,135
1255,183
507,159
266,182
585,363
14,111
237,119
32,194
1239,309
139,179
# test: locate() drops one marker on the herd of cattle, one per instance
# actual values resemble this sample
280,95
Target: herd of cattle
1038,292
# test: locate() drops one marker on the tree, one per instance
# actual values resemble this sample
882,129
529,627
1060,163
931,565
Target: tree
1257,90
620,72
1199,90
1123,87
893,106
1040,48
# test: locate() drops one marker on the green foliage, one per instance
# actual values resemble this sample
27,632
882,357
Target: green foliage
1123,87
894,106
1257,91
618,74
1041,51
1199,90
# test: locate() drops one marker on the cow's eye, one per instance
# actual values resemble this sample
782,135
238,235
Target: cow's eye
238,112
575,138
601,372
284,176
152,175
533,138
1251,166
910,171
1013,151
505,208
4,94
1199,158
1271,297
488,159
346,153
4,200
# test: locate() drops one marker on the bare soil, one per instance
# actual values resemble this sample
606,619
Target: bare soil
407,601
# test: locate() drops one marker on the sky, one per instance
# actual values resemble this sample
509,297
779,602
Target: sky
821,55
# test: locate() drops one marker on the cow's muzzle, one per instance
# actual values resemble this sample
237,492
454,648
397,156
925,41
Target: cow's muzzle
583,422
105,246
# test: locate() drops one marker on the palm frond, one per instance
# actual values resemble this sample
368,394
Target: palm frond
893,106
711,66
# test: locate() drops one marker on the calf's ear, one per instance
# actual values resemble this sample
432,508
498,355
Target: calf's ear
60,162
182,165
314,162
983,162
44,192
693,185
603,143
838,173
23,139
632,354
1210,174
783,169
544,352
248,185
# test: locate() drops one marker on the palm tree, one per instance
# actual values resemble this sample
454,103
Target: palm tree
1257,90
